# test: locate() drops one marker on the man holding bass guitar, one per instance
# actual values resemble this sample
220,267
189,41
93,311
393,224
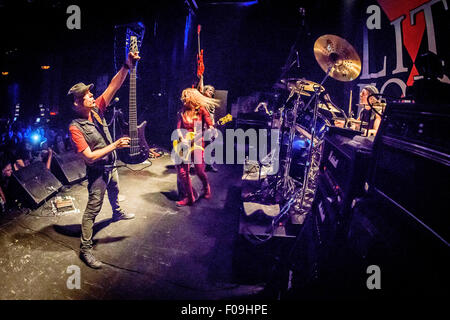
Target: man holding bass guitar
91,139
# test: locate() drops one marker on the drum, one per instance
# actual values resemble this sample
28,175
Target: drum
305,120
299,155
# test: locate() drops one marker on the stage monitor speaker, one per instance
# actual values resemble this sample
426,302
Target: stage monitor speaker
35,184
68,167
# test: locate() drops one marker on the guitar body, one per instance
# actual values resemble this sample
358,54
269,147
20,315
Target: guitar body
139,152
184,150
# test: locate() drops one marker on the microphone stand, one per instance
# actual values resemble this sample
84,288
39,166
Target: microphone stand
288,65
116,113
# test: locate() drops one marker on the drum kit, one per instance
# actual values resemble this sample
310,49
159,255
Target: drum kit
307,121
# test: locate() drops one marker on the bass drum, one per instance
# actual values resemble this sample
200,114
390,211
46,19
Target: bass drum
305,120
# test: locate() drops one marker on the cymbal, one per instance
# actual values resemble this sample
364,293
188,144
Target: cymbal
328,107
336,53
291,83
308,85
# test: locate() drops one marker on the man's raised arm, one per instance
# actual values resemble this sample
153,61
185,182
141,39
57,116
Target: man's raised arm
120,77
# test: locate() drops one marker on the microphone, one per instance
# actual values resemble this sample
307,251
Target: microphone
114,101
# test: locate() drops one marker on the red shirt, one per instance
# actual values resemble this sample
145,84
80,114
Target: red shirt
76,136
188,123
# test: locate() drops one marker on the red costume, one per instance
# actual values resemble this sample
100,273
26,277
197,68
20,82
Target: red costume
187,123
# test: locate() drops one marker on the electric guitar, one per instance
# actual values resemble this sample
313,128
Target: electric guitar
200,64
138,151
185,149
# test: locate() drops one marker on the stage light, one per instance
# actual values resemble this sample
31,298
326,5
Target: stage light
5,73
53,113
248,3
36,138
45,67
38,120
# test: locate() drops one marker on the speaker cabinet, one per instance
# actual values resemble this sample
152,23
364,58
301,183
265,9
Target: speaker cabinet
35,183
68,167
412,163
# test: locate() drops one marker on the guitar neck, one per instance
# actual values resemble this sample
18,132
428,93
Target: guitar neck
132,116
198,39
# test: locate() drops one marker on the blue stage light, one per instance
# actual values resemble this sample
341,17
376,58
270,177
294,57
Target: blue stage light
36,138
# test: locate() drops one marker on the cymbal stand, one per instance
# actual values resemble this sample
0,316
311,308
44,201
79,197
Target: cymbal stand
286,182
308,165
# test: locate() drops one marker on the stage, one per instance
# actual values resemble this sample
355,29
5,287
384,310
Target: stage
166,252
332,118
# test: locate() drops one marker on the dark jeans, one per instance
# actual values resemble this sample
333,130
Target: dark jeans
99,181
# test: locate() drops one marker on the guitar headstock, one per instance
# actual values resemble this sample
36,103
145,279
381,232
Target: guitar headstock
225,119
133,44
133,41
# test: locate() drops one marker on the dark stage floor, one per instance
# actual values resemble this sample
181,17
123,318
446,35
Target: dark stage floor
165,253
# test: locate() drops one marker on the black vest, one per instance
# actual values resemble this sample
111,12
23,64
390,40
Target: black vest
97,136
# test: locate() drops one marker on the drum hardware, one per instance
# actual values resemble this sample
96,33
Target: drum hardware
293,84
282,185
340,61
350,104
286,185
328,105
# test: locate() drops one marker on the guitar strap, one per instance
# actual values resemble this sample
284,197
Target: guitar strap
97,117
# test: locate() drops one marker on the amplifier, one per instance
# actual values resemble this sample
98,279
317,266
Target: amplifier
344,168
343,173
412,163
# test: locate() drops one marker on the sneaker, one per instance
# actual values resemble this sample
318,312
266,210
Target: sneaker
123,216
90,260
213,168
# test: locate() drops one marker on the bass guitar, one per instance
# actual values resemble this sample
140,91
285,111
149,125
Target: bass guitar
139,149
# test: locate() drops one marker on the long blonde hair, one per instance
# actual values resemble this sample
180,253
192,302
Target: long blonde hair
196,99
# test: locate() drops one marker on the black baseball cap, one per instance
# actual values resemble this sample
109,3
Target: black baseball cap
79,90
